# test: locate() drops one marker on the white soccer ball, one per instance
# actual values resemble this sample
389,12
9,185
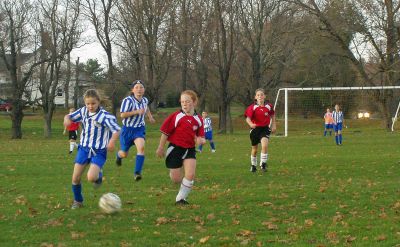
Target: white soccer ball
110,203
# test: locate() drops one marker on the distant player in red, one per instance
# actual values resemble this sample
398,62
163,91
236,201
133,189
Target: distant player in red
72,133
183,129
259,117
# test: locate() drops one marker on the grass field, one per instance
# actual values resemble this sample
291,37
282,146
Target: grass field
314,194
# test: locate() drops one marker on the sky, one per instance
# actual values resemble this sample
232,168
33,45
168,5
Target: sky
92,50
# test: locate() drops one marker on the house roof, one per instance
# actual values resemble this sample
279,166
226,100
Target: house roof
22,59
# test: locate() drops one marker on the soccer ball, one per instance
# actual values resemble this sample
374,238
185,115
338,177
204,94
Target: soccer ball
110,203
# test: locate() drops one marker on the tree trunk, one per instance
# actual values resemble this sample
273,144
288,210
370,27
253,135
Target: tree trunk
17,115
76,88
67,80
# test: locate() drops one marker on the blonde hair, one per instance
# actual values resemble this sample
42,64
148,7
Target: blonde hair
260,90
192,94
91,93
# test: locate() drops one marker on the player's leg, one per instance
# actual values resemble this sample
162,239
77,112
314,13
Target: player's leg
187,181
126,141
325,130
95,173
77,186
335,128
139,143
340,127
253,158
210,138
264,153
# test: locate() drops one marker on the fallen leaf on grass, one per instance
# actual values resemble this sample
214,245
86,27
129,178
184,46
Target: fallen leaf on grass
204,239
308,223
77,235
381,237
161,221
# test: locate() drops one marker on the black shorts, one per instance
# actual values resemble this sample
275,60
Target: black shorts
72,134
176,155
258,133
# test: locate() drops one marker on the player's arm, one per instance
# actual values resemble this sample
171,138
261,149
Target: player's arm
67,121
273,125
111,143
150,116
250,123
160,150
132,113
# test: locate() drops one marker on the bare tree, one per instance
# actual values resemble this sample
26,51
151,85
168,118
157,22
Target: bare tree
154,20
100,14
225,50
372,23
16,25
59,28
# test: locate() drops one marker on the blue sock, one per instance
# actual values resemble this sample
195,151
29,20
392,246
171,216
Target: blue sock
77,190
100,179
212,145
325,133
340,139
330,133
337,139
139,163
201,148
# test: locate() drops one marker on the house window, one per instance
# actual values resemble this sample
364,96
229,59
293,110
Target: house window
59,92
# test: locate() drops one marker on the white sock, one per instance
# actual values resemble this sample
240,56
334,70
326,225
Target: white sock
253,160
186,187
263,158
71,146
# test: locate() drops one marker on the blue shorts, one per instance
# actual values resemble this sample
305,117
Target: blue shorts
208,135
86,155
328,126
337,127
128,136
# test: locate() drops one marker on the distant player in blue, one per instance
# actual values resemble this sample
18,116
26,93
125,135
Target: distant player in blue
338,122
133,110
207,131
99,134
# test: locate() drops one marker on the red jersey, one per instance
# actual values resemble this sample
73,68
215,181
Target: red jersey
260,115
182,129
73,126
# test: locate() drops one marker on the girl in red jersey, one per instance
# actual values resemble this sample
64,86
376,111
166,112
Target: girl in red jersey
259,116
72,133
183,129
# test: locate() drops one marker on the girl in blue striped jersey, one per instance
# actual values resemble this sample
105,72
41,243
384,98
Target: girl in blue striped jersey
207,131
99,134
133,111
338,122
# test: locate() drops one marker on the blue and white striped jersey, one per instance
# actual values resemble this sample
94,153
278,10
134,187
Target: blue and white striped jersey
207,124
130,103
97,128
338,117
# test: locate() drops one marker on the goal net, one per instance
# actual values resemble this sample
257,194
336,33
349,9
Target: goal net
302,109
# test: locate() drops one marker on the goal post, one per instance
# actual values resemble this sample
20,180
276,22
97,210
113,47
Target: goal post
337,90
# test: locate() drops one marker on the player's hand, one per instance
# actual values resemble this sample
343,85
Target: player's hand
200,141
140,111
273,129
110,146
160,152
152,120
253,126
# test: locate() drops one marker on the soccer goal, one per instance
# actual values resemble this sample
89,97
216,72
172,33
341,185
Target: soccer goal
295,105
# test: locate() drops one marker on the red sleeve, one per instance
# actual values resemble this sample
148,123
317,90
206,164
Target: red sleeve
168,125
272,112
200,131
249,111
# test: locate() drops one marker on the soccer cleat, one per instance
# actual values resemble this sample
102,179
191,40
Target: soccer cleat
213,151
182,202
264,167
118,161
76,205
137,176
70,152
253,168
